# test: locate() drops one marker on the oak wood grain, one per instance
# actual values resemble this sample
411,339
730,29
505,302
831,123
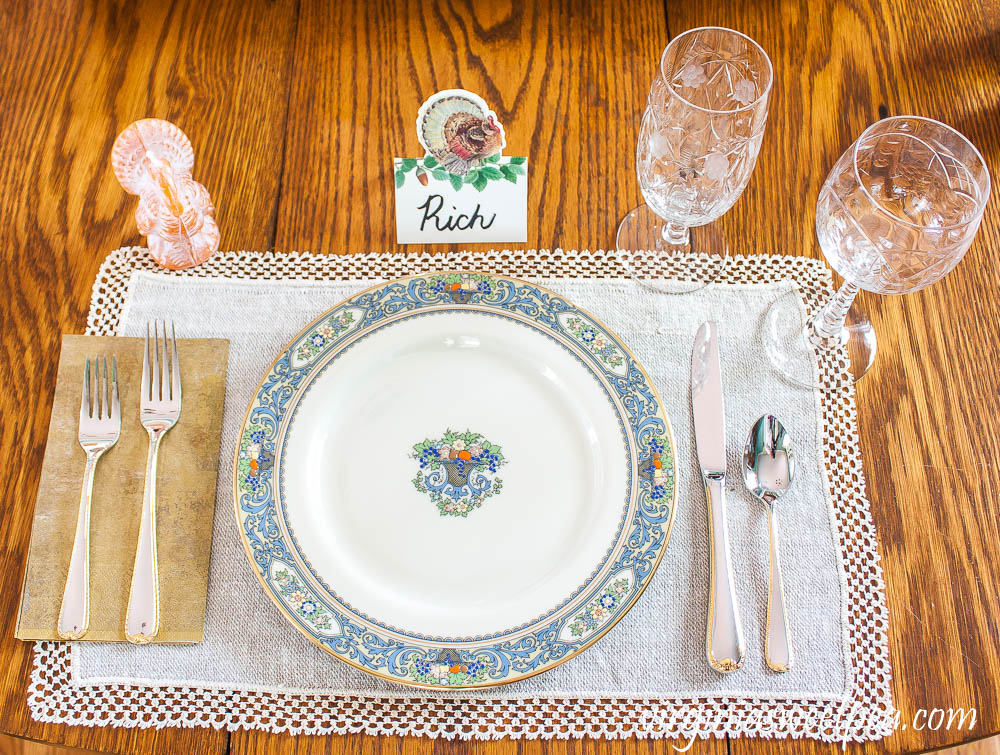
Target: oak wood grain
295,108
928,410
14,746
567,79
72,75
268,744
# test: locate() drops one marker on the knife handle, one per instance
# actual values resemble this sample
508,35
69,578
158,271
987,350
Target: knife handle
725,637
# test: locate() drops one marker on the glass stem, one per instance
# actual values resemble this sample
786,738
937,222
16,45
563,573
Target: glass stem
828,324
675,233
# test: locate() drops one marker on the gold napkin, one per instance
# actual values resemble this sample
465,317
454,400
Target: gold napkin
188,468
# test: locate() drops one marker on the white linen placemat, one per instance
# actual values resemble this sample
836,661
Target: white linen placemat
654,658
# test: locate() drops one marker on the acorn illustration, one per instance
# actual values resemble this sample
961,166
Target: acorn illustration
422,176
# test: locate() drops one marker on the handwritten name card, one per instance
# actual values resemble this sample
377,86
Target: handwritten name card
487,204
463,189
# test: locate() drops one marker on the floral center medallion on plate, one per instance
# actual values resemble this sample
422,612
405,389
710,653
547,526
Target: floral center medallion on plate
458,471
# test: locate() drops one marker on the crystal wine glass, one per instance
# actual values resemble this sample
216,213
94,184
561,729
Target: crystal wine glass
896,213
698,144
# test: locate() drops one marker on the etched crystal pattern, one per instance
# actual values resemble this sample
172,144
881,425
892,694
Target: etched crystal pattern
703,125
899,209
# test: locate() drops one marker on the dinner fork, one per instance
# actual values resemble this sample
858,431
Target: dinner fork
159,409
100,424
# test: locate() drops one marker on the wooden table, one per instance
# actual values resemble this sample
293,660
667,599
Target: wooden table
296,106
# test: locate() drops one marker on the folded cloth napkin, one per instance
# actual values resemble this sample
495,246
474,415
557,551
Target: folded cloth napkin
648,676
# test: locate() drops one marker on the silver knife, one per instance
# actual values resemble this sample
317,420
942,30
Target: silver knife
725,637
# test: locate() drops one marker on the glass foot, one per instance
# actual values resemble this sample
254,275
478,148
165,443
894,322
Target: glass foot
653,253
793,347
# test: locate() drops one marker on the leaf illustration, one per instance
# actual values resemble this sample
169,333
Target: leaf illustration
456,181
493,158
399,178
430,162
508,173
480,182
517,168
490,172
440,174
407,164
518,160
471,176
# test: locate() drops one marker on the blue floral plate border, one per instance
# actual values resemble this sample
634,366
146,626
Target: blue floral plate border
413,659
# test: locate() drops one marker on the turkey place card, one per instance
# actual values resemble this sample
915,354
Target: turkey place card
463,189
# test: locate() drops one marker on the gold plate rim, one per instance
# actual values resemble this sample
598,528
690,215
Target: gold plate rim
601,632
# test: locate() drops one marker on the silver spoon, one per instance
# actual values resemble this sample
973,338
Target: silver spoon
768,468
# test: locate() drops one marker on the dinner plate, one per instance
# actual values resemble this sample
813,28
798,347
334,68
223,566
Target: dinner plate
455,480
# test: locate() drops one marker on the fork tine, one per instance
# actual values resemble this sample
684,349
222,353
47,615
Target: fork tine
145,366
156,361
175,367
164,365
85,401
95,388
106,409
115,406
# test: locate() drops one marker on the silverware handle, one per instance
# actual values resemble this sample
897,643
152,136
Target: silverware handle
74,613
778,646
142,619
725,637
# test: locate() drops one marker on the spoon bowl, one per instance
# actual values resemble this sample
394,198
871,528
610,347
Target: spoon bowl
768,463
768,469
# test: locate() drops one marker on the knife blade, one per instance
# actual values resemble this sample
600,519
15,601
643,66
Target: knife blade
724,636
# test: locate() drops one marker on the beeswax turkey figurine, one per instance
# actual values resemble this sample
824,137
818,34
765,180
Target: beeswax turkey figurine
458,130
153,159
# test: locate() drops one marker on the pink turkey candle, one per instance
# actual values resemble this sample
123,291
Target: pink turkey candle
153,160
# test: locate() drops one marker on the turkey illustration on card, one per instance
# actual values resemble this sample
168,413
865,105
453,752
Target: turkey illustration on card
463,189
457,129
463,141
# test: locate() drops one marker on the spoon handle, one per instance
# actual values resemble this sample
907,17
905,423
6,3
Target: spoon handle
725,637
778,648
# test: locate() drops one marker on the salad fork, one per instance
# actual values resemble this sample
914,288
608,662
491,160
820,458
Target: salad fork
159,409
100,424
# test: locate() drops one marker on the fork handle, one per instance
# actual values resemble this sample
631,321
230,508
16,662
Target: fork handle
142,618
74,613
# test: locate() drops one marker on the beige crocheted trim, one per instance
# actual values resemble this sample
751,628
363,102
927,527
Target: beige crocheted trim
867,711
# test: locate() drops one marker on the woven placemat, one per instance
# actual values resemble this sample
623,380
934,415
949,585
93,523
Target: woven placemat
864,710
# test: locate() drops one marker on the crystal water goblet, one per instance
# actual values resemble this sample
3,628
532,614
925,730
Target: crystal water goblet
897,212
698,145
